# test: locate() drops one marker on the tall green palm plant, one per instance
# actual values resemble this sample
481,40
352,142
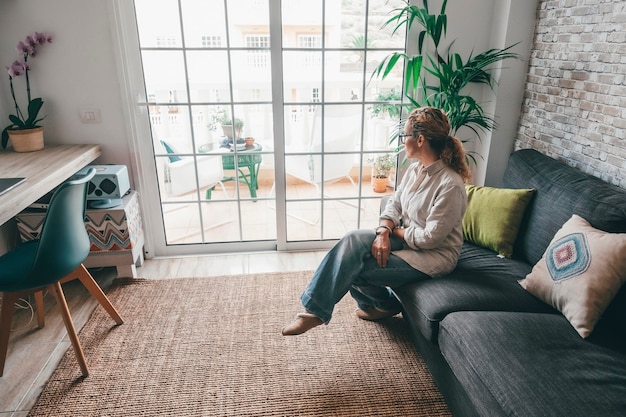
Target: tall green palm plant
439,80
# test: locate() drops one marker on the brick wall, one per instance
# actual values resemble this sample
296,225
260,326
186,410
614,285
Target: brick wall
574,106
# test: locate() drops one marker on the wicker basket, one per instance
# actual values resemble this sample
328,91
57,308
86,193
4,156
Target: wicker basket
27,140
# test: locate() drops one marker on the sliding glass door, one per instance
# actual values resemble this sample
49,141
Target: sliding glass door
264,120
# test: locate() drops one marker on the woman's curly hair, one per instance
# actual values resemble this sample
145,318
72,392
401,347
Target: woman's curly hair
434,124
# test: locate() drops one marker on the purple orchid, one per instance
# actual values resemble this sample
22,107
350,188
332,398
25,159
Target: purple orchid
29,47
16,69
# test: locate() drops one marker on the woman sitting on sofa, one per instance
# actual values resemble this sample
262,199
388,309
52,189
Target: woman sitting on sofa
419,234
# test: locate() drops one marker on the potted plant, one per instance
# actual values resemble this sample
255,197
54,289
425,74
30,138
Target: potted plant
388,104
384,116
227,126
381,168
25,133
439,79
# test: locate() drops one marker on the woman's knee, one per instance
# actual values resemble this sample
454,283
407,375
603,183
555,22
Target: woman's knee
360,237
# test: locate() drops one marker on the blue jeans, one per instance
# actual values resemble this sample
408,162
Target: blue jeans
349,266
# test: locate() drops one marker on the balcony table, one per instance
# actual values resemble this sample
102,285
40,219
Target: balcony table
249,158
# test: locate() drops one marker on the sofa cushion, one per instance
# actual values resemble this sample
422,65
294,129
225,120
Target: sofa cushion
493,216
481,281
560,191
580,272
530,364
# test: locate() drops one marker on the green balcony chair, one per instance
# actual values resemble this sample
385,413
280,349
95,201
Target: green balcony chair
45,263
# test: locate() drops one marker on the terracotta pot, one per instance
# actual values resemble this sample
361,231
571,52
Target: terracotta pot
27,140
249,141
379,184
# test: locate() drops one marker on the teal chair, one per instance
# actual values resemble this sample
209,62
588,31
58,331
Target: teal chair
45,263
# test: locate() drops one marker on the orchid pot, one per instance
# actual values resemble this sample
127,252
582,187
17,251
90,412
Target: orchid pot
26,140
24,130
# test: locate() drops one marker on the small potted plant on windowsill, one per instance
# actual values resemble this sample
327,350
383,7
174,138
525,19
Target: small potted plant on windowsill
24,131
381,168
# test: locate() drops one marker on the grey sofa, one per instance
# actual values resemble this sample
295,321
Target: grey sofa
496,350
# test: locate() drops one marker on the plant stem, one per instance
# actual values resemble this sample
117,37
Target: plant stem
26,75
17,107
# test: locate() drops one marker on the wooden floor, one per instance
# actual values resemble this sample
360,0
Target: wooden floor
34,353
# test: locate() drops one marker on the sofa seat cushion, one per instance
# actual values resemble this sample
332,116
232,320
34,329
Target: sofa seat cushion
481,281
532,364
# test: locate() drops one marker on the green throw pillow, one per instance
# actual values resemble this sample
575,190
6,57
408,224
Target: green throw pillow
493,217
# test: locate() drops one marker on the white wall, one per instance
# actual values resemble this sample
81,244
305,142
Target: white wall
477,26
76,71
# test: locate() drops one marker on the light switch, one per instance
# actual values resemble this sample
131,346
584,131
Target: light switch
90,116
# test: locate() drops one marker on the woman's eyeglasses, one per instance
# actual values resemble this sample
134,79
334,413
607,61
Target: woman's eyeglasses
402,136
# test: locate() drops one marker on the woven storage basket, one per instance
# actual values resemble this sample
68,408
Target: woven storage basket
27,140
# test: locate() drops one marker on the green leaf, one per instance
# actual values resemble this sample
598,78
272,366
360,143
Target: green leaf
17,122
5,138
443,8
420,41
33,110
413,72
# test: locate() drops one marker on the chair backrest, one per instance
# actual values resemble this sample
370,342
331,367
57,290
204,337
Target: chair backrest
63,242
341,126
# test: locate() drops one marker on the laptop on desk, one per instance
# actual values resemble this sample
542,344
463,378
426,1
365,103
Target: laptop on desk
7,184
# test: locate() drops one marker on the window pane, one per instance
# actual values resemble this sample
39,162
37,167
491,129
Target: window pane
300,17
251,76
171,125
258,220
343,76
182,222
379,37
345,22
208,76
303,220
220,220
164,73
206,127
342,128
245,17
302,76
376,86
204,23
158,26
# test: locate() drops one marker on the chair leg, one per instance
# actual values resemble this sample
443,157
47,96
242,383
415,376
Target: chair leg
57,292
92,286
6,318
41,312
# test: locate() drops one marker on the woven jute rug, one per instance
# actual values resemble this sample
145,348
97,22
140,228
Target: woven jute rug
212,347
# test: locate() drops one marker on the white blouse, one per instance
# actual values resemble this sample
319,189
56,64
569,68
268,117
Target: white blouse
429,204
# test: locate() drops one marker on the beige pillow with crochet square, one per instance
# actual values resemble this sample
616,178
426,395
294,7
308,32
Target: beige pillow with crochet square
580,272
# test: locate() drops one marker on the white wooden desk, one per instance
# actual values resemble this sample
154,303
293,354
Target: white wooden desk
44,170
